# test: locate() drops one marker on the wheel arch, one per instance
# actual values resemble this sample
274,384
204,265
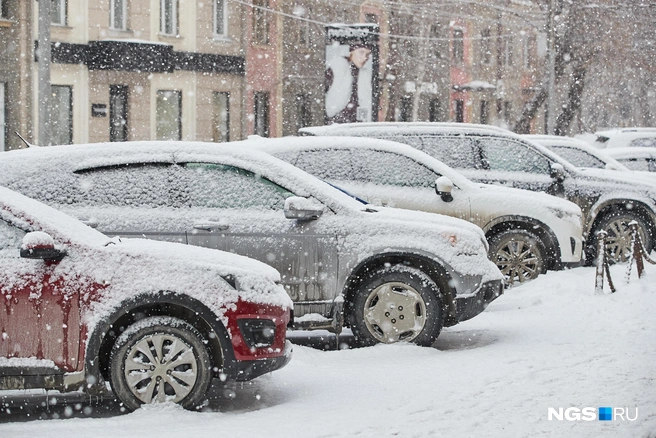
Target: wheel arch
430,267
104,335
621,205
531,225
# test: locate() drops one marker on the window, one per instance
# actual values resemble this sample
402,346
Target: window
118,113
486,53
507,54
10,240
371,18
458,46
332,164
509,156
435,35
643,164
578,157
260,22
405,109
375,165
261,114
118,14
61,115
58,12
169,115
303,111
221,111
168,17
220,18
643,142
529,44
3,118
507,111
485,111
456,152
459,110
4,13
220,186
303,35
434,110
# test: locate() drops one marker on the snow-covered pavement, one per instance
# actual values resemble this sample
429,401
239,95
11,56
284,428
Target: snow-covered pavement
549,343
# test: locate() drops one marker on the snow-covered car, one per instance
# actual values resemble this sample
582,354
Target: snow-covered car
625,137
393,274
156,320
636,159
493,155
527,232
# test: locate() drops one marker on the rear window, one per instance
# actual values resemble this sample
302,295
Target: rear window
456,152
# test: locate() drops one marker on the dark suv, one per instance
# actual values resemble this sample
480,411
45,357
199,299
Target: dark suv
497,156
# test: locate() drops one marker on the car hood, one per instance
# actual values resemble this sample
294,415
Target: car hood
224,263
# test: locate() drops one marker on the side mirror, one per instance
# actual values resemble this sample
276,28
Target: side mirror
302,209
40,245
443,188
558,172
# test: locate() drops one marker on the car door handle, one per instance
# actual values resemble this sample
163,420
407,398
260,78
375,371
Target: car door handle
211,226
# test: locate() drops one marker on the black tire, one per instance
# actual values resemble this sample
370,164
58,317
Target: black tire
618,240
145,348
518,254
378,314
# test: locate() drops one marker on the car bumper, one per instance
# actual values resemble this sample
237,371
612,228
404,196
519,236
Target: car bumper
470,306
250,369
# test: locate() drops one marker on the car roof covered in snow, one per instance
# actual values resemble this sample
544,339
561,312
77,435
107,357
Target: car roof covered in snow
621,153
360,128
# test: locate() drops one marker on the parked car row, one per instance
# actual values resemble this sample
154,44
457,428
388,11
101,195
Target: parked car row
220,248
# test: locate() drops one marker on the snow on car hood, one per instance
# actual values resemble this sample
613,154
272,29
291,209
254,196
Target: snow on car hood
534,204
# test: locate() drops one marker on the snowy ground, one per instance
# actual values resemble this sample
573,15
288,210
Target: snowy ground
550,343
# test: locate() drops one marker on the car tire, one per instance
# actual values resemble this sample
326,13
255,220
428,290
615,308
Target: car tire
618,240
397,303
519,255
158,359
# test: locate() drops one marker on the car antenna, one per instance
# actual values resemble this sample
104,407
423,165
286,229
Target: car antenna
25,141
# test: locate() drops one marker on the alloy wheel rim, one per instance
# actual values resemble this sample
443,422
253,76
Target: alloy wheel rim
618,240
161,367
518,261
394,312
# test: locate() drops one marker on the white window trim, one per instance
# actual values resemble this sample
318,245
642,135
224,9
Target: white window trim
3,117
63,15
124,24
225,19
174,18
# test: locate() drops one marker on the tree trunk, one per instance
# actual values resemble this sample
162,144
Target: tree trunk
523,125
574,95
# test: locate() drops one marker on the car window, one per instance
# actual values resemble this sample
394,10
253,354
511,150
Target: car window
578,157
510,156
391,169
142,185
219,186
457,152
10,240
645,142
637,164
329,164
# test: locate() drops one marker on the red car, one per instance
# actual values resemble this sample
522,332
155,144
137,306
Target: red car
156,320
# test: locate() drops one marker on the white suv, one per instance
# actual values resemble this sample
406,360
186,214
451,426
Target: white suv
527,232
497,156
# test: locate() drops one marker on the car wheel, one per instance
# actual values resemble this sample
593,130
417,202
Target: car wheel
518,254
160,359
618,239
394,304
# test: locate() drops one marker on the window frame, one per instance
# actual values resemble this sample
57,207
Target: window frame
119,133
261,26
178,93
70,113
261,99
458,45
217,119
215,22
4,12
112,16
174,17
63,13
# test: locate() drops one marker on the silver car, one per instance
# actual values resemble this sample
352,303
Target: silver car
394,275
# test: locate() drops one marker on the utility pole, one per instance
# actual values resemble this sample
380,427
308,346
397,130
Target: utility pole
551,66
44,58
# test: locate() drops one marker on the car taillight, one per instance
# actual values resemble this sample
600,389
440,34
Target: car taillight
258,333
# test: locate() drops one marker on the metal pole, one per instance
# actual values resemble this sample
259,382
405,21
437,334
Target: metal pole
44,58
551,66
